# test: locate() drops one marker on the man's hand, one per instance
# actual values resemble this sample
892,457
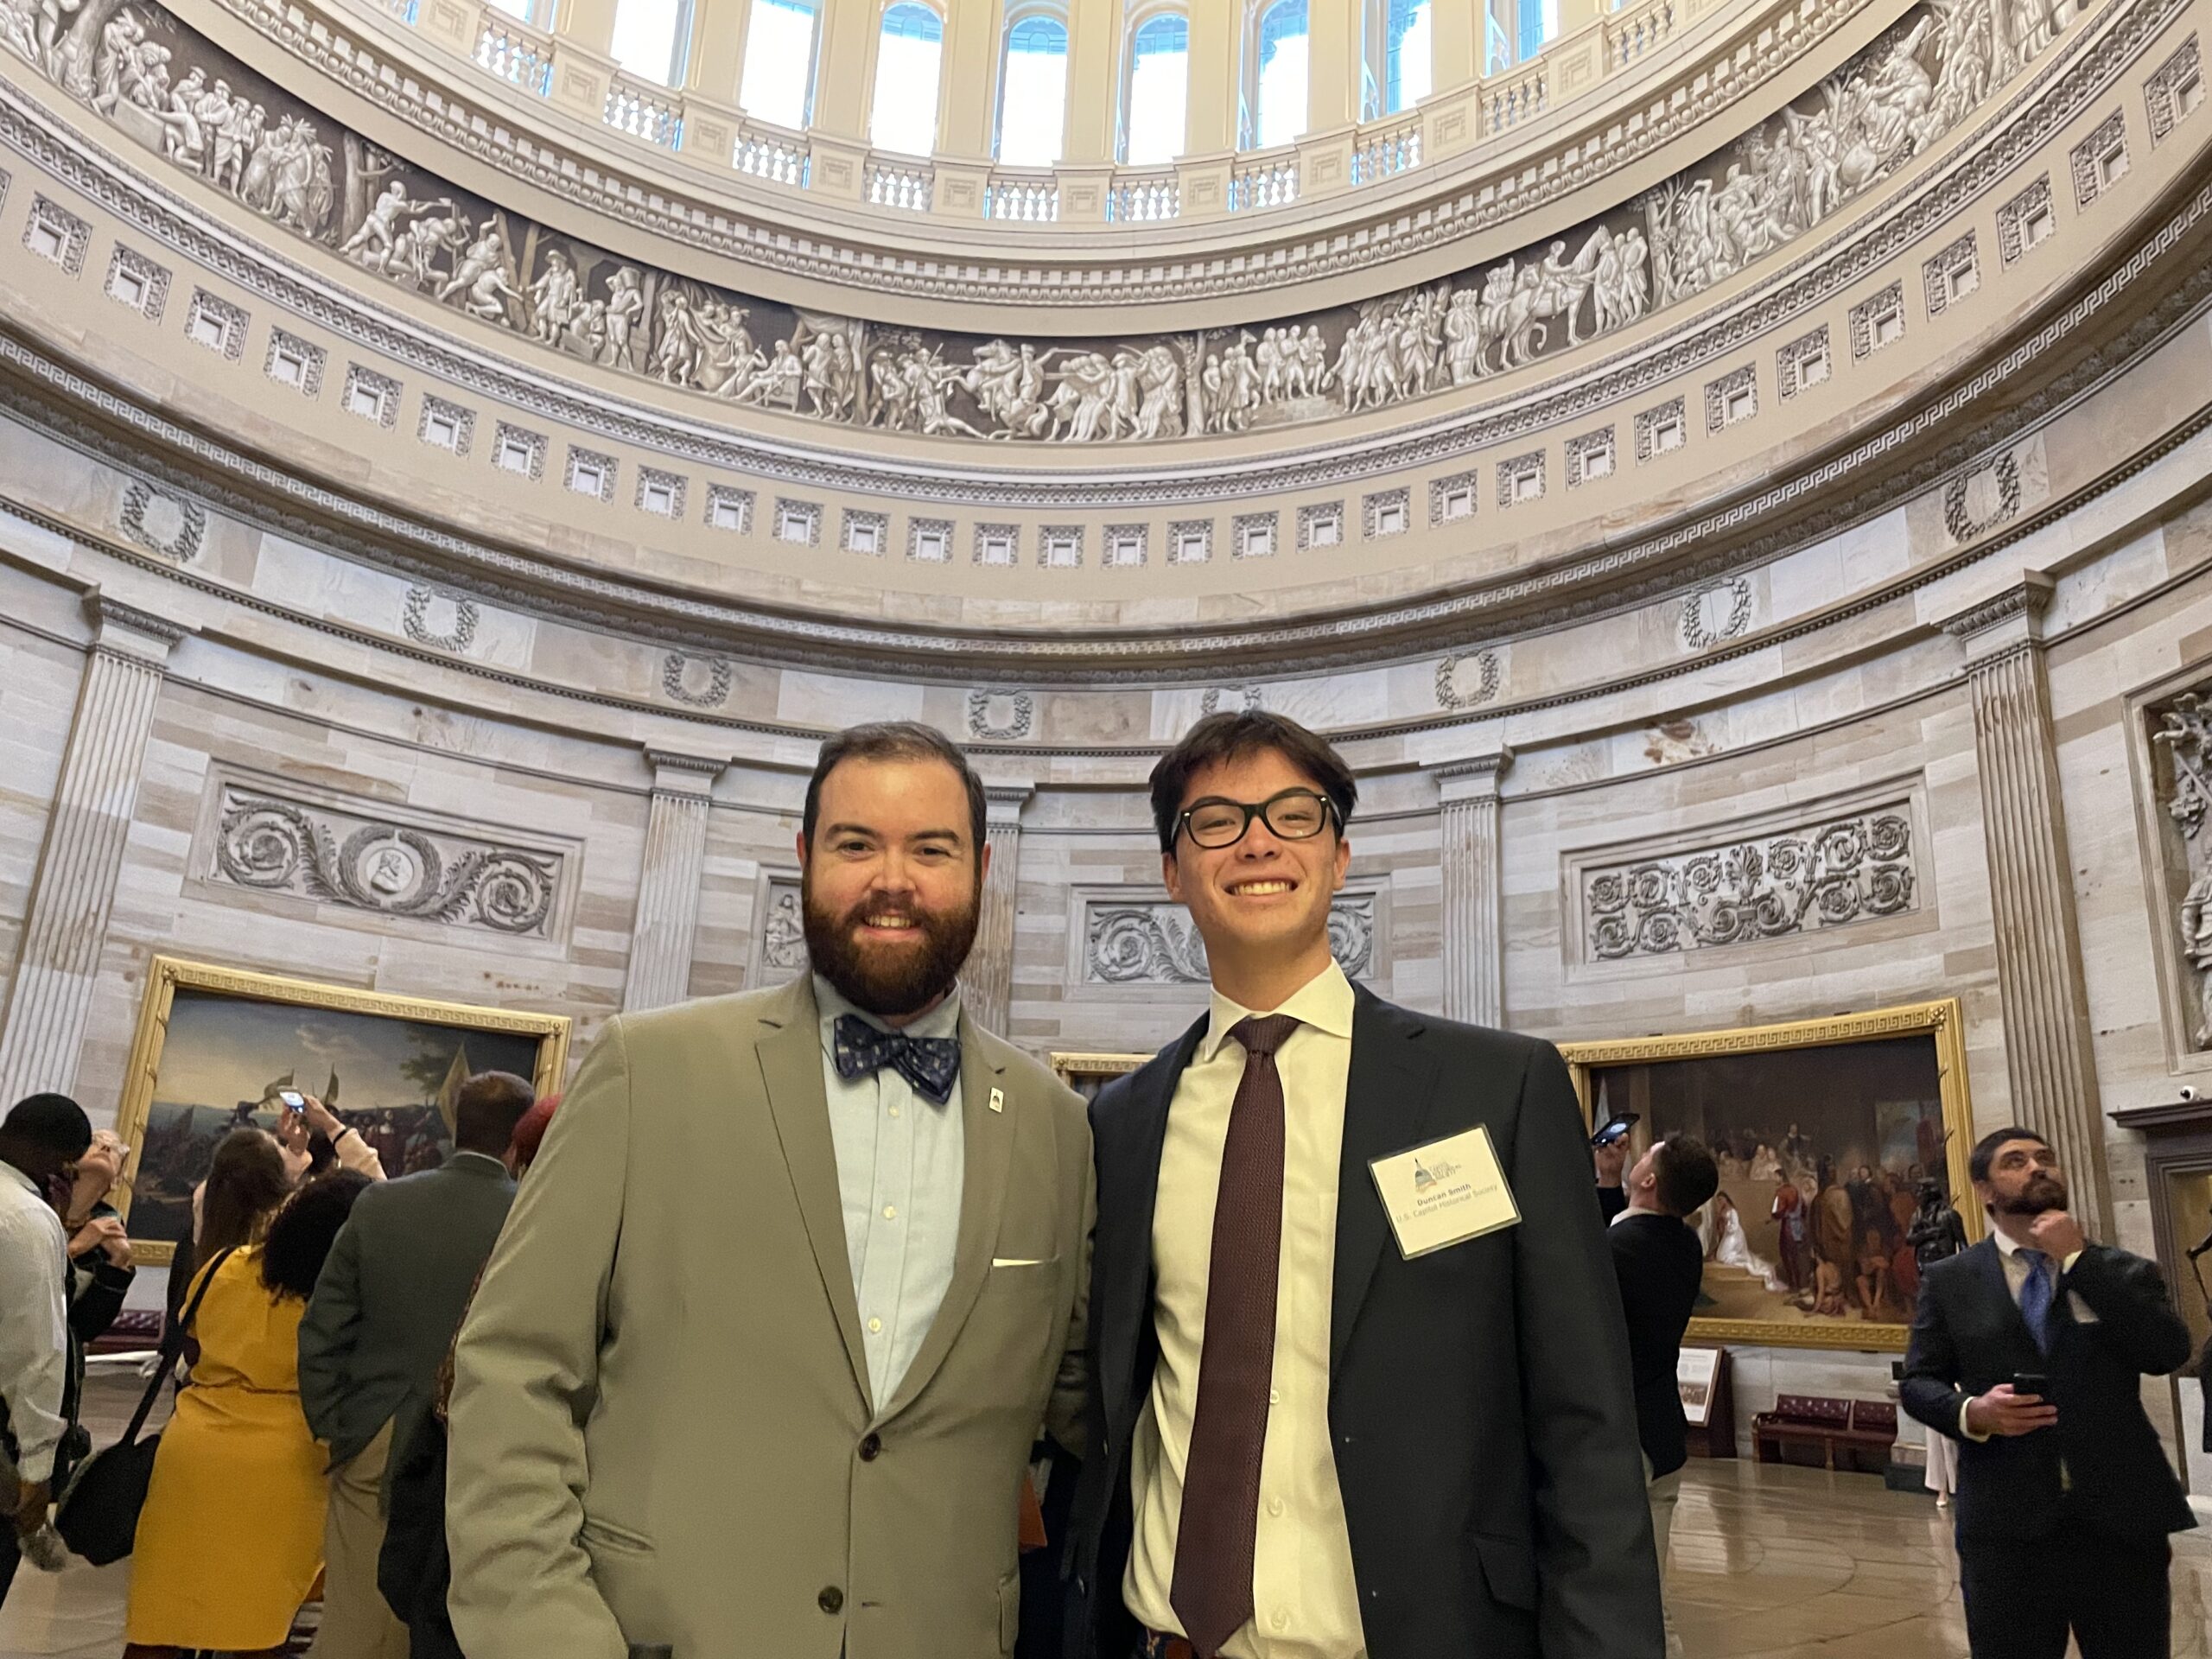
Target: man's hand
323,1121
1611,1159
2058,1235
106,1235
32,1501
2003,1412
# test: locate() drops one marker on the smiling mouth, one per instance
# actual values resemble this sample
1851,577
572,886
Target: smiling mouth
1264,889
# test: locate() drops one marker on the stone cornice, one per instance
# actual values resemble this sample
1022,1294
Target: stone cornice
158,632
721,213
2024,603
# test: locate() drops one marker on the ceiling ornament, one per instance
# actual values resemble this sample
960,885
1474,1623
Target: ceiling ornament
207,113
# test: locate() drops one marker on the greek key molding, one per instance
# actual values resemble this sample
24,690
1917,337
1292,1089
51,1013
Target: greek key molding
362,863
1827,875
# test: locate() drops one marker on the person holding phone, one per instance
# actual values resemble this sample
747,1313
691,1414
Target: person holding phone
2029,1350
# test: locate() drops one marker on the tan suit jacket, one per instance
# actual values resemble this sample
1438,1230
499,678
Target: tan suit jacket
662,1433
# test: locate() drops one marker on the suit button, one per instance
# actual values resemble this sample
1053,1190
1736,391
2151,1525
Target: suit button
830,1599
871,1448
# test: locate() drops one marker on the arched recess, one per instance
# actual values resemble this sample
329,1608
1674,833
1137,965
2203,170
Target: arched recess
1155,87
909,64
1032,102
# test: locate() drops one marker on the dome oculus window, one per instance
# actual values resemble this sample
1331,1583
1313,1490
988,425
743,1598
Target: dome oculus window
778,83
1274,96
1032,91
909,53
651,38
1156,90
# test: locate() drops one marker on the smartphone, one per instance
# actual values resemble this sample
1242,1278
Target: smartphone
2033,1382
294,1102
1613,1128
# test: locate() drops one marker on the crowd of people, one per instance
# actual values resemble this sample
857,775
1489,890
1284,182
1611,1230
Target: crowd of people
313,1311
1330,1353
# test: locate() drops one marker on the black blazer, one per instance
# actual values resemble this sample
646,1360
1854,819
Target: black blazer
1968,1336
1660,1265
1486,1440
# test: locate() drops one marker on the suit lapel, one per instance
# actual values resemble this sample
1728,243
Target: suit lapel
789,1050
1386,1097
987,1149
1138,1129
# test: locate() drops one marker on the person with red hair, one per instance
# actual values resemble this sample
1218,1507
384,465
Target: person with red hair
529,1135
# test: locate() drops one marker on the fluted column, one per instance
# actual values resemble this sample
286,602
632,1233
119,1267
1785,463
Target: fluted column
65,923
2039,979
668,890
1474,971
987,980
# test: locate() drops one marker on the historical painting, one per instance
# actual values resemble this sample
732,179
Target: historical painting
215,1046
175,92
1842,1145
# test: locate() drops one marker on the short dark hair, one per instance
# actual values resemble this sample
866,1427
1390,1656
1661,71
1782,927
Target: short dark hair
894,739
486,1110
54,1123
303,1232
1233,735
1684,1175
1985,1150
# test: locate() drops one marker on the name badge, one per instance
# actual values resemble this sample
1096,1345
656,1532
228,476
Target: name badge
1444,1193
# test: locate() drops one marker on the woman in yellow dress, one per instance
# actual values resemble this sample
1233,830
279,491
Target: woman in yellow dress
230,1542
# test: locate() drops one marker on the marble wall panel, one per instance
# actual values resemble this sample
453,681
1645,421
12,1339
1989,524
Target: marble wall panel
39,679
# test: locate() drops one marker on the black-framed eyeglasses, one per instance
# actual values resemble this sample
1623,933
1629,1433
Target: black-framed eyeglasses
1291,814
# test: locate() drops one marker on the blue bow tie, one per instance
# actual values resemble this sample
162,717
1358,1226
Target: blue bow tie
931,1063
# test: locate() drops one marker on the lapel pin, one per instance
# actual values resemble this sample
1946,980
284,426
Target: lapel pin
998,1100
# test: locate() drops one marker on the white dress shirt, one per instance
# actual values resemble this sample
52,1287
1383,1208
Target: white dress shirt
1305,1600
901,1159
2017,1269
34,1321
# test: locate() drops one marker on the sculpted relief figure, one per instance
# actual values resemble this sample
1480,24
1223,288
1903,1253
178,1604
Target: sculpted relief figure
133,63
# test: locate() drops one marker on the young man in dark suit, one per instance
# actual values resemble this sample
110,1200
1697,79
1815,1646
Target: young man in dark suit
1659,1264
1360,1382
2065,1496
382,1316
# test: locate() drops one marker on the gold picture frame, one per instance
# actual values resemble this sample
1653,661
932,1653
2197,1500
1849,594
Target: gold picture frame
1087,1072
169,978
1942,1022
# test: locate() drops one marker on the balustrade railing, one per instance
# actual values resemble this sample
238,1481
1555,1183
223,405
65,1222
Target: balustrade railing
1386,154
1631,33
899,185
1507,103
1272,182
514,52
1139,199
1035,199
644,112
779,157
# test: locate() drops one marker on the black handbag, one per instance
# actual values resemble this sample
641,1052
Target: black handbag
98,1516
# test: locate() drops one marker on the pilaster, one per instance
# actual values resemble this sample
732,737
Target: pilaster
668,886
65,923
986,980
2039,975
1474,973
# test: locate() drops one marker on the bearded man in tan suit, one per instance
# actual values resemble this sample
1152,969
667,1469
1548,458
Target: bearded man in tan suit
758,1364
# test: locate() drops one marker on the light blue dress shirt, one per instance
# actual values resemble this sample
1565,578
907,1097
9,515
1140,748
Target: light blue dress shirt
901,1158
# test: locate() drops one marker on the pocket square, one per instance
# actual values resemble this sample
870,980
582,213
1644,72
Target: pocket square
1023,1260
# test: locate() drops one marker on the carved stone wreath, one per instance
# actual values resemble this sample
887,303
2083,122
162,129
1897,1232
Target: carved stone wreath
1846,870
1965,519
389,869
1158,945
716,691
1697,633
415,620
1000,716
1452,694
169,525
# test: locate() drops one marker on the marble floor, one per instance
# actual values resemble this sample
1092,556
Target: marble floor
1769,1563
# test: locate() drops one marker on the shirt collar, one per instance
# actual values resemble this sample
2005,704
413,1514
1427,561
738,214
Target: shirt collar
1325,1002
2006,1246
942,1020
475,1159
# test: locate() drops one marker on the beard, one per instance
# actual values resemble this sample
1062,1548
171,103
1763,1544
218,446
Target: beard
888,982
2042,1194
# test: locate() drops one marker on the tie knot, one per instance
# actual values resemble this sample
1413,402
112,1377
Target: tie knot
1264,1033
2037,1260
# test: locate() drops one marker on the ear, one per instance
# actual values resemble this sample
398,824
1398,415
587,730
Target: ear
1171,876
801,843
983,867
1343,863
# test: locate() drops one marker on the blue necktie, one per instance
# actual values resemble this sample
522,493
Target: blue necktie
2035,1297
931,1063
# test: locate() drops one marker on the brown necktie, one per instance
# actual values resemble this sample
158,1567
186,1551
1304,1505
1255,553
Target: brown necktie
1214,1542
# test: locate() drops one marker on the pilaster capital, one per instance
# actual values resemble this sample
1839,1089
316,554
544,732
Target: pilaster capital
1002,805
677,772
130,630
2003,621
1473,779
